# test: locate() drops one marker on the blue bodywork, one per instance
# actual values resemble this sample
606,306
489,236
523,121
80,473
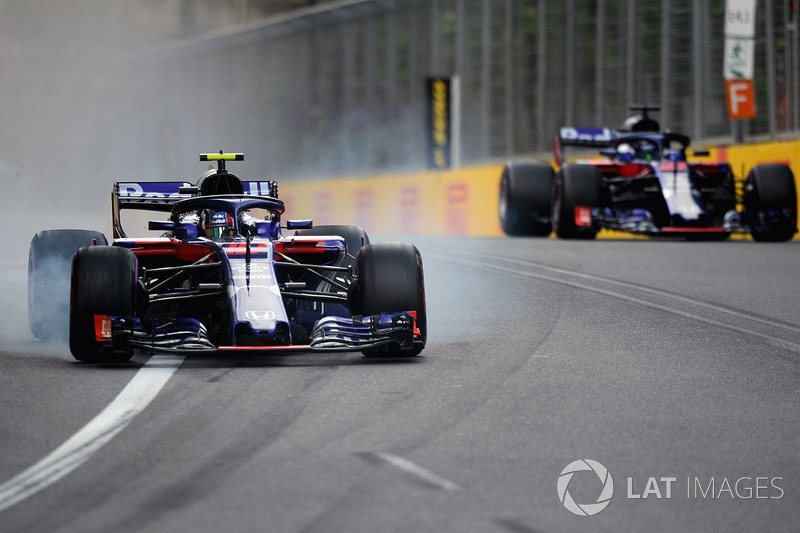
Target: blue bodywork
253,289
652,188
646,182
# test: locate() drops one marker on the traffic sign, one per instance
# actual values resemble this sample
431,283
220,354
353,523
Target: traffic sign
741,99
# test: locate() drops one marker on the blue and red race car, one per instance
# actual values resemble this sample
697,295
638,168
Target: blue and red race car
644,184
223,277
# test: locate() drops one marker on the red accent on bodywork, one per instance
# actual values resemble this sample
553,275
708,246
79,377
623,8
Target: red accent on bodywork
632,170
240,248
677,229
669,166
583,217
182,251
626,170
315,246
417,332
283,348
102,328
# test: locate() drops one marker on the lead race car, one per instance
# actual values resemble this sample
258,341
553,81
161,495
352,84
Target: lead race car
644,184
224,278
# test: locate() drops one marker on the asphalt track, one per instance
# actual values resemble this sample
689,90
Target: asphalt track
658,360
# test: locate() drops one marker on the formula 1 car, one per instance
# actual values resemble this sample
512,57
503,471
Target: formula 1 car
644,184
224,278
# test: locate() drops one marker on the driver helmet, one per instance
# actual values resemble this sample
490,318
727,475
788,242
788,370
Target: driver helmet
647,150
625,152
219,224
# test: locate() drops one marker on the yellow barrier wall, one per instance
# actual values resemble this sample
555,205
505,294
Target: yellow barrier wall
457,202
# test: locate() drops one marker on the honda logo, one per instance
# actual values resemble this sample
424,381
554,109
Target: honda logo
260,315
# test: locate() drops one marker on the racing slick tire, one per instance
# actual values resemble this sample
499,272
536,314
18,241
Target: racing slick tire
354,236
524,205
390,278
49,259
103,283
771,187
575,186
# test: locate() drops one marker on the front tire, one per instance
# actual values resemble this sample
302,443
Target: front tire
391,279
49,258
576,186
771,189
103,283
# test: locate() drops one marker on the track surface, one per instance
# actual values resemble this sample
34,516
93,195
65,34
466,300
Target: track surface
656,359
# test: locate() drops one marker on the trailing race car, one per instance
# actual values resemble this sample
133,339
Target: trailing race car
224,278
644,184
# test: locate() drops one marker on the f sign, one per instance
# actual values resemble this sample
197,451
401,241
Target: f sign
741,99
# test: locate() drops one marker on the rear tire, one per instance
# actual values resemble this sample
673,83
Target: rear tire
49,258
576,186
103,283
772,187
524,206
391,279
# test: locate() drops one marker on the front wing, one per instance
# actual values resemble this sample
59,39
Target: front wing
641,221
330,334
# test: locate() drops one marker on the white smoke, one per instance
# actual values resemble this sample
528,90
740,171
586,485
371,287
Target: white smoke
80,108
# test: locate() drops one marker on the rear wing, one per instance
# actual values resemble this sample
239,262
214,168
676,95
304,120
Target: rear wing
150,196
163,195
587,137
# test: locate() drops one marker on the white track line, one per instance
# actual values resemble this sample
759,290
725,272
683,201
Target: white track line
418,471
780,343
76,450
644,288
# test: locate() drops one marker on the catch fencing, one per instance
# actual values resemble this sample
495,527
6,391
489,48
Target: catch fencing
340,88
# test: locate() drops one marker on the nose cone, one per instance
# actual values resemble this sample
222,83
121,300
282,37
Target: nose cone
261,334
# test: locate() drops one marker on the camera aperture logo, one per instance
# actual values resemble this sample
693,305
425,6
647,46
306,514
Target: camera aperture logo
584,487
585,509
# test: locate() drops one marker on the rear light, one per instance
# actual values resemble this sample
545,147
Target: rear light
102,328
583,217
417,332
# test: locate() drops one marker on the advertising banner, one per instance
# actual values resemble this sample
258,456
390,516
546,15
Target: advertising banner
439,123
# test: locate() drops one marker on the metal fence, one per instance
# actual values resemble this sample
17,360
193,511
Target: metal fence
338,89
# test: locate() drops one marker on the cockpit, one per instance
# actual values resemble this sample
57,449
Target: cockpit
669,147
640,149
